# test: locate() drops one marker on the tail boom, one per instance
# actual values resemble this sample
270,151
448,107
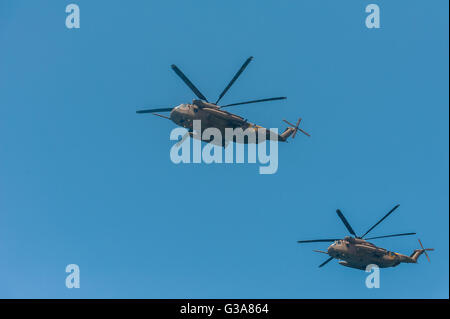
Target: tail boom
418,252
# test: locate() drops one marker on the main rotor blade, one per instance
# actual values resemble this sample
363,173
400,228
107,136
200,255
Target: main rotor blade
257,101
346,223
395,235
325,262
188,82
167,109
316,241
234,78
163,116
320,251
390,212
185,136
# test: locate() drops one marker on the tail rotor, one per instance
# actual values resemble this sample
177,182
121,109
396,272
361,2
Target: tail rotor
425,249
296,128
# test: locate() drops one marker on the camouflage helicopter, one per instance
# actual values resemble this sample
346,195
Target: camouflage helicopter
213,115
357,252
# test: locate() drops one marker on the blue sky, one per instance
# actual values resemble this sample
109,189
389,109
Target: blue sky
85,180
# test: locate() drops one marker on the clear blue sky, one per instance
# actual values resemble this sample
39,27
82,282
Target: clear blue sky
85,180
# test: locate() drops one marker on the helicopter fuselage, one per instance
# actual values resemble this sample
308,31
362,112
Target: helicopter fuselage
359,253
212,116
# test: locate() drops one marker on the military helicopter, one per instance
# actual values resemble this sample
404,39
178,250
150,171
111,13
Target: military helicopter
357,252
213,115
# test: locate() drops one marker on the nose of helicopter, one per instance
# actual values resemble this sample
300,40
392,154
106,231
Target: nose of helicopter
177,115
331,250
173,114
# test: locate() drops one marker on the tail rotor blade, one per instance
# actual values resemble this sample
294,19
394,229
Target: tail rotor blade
420,243
304,132
235,77
188,82
346,223
289,123
296,127
425,250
